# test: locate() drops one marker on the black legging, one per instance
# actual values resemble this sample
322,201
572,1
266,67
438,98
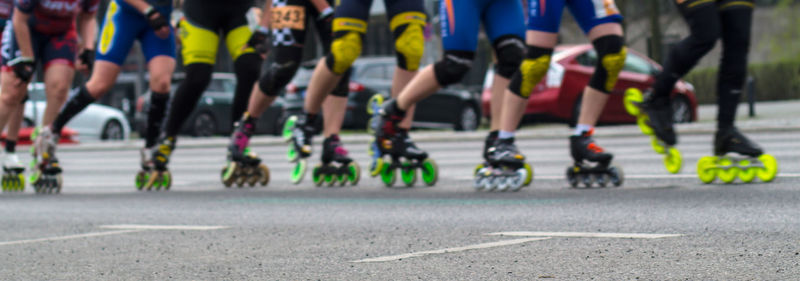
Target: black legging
708,22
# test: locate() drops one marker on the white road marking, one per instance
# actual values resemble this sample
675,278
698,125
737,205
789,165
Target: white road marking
586,234
451,250
641,176
163,227
68,237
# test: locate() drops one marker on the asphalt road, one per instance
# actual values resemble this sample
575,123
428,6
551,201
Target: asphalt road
656,226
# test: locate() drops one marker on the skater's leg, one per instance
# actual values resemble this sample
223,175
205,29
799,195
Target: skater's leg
12,93
532,70
160,68
101,81
57,79
15,122
609,44
736,21
407,21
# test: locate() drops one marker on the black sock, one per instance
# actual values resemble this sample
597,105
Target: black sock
11,146
74,105
155,117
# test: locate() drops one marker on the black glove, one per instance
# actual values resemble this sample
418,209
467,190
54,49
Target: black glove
325,21
155,19
260,40
23,67
87,58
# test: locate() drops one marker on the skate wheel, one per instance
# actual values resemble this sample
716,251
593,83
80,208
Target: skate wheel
141,180
491,182
477,169
387,175
430,172
481,176
600,179
240,179
408,174
374,103
353,173
632,96
341,177
673,160
372,123
21,181
616,175
376,167
59,181
299,171
658,147
292,154
587,180
727,172
316,175
572,176
263,172
330,179
770,169
503,183
748,174
252,176
706,169
228,174
643,121
288,126
528,174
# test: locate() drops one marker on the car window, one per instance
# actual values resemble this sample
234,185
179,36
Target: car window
216,85
302,77
634,63
389,73
373,72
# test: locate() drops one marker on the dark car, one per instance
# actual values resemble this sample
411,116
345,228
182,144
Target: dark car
454,107
212,115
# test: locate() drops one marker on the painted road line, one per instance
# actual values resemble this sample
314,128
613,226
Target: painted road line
451,250
163,227
642,176
586,234
68,237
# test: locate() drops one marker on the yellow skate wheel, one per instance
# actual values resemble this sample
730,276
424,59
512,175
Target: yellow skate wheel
658,147
263,171
770,169
747,174
5,183
316,175
353,173
21,182
643,126
673,161
388,175
728,171
430,172
707,169
477,169
374,102
529,176
632,95
376,167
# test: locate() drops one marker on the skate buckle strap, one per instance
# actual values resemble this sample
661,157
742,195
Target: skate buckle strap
241,141
594,147
339,150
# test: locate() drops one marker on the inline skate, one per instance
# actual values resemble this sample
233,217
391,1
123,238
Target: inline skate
298,133
13,173
143,176
243,165
403,154
46,177
655,120
336,166
505,168
747,162
591,164
160,177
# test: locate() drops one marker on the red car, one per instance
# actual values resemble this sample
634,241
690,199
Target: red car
558,95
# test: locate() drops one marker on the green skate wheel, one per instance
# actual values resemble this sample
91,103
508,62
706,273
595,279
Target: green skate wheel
408,174
643,126
376,167
673,160
387,175
727,172
353,173
299,171
707,169
658,147
374,102
316,176
430,172
141,180
228,174
529,175
632,95
770,169
263,172
288,126
747,174
291,154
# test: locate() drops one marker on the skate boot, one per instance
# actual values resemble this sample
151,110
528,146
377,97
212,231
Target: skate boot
13,173
654,117
736,156
160,177
592,164
243,165
506,168
47,176
404,154
336,166
298,132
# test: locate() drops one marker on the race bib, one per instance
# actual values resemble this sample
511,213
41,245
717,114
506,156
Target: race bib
293,17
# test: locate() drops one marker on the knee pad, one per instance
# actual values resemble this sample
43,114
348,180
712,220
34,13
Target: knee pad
343,88
611,54
510,51
453,67
276,77
348,36
409,39
531,71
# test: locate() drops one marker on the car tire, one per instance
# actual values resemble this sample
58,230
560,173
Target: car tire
468,118
112,130
681,110
204,125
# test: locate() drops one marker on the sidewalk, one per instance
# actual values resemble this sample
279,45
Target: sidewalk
770,117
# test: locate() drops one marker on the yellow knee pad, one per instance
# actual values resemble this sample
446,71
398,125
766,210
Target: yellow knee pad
613,64
198,45
346,46
532,71
236,41
410,43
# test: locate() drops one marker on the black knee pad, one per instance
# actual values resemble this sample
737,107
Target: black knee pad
611,54
453,67
531,71
343,88
510,50
276,77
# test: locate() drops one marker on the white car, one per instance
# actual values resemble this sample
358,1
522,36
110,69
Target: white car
96,122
